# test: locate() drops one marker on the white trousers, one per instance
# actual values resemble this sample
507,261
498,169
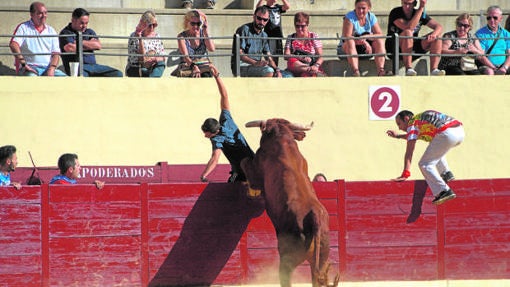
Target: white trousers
433,162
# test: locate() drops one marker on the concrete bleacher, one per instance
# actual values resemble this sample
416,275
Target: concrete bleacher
118,18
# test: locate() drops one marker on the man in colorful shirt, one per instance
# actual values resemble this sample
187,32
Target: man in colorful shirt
8,163
70,168
443,132
225,136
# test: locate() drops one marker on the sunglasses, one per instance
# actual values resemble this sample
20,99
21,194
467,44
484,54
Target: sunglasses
492,17
300,26
262,19
196,23
466,26
153,25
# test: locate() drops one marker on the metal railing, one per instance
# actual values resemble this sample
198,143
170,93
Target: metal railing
395,53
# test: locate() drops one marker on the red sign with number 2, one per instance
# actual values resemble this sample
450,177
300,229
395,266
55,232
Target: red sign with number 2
384,102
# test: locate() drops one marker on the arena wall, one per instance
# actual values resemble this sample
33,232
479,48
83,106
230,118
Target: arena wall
203,234
144,121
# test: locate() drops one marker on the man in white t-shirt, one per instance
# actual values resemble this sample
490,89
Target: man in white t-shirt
36,56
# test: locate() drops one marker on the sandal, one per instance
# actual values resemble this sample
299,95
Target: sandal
356,73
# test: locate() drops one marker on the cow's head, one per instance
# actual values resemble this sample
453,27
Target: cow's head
280,126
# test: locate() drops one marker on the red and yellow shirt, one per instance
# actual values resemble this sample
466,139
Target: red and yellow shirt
426,125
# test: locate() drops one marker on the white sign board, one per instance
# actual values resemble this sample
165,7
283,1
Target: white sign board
383,102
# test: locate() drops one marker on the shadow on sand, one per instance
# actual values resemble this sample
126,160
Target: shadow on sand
208,237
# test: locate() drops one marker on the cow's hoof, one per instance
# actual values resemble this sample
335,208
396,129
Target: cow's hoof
253,193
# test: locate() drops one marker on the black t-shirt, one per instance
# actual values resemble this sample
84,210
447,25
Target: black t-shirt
398,13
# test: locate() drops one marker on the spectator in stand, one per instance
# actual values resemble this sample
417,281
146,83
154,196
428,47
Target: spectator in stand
406,21
194,49
274,26
70,168
79,23
495,40
148,47
225,137
362,23
303,49
459,42
188,4
28,59
320,177
253,64
8,163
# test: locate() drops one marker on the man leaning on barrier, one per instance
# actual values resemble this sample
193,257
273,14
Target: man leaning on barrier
406,21
495,40
36,56
79,23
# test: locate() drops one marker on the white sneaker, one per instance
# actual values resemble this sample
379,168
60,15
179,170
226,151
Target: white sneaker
411,72
437,72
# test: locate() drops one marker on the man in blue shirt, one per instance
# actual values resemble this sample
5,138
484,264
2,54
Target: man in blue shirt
79,23
8,163
495,36
253,64
225,136
70,170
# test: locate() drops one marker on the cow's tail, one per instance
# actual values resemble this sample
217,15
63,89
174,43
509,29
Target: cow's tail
313,235
317,247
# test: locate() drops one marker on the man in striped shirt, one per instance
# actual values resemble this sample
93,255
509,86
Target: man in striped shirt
443,132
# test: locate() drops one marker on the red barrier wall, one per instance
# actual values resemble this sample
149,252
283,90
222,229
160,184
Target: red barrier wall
153,234
162,172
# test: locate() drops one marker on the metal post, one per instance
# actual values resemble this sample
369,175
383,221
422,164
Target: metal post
396,53
79,46
237,55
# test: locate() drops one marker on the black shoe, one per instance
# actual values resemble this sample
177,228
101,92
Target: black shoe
443,197
447,176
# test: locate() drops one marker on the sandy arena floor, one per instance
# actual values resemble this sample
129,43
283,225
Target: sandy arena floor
437,283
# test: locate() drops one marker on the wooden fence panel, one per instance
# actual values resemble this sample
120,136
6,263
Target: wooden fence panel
95,235
132,235
477,230
381,244
20,236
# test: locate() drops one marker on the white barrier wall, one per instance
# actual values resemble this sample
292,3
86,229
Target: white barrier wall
130,121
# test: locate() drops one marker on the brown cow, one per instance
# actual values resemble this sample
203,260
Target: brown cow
299,219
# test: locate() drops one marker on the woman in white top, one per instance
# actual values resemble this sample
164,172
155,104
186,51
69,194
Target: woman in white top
146,49
363,24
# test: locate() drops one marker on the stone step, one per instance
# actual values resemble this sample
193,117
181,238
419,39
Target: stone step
307,5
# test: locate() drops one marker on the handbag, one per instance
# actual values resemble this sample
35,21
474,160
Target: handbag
185,71
147,63
467,63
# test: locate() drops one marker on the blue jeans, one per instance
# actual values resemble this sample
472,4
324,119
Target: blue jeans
255,71
41,71
96,70
155,72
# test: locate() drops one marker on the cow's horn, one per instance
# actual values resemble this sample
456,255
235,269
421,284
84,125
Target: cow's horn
301,127
254,124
